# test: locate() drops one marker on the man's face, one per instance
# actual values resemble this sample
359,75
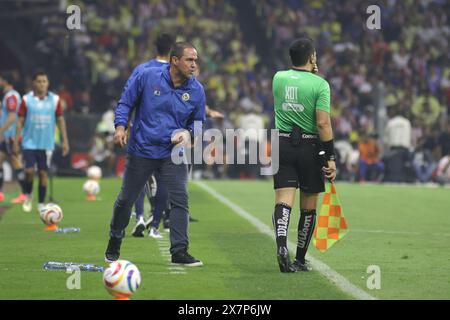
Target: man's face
187,64
41,84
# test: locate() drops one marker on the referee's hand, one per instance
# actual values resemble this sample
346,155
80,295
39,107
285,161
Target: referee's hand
330,171
120,136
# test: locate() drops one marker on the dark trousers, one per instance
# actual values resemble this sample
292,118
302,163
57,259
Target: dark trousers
161,198
137,172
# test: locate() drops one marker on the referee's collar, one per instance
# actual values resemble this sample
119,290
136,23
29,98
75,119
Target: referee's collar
301,70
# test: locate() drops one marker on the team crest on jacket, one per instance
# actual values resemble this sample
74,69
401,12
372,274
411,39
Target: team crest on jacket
185,96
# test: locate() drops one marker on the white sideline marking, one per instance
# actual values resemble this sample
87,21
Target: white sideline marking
340,281
176,267
177,272
164,250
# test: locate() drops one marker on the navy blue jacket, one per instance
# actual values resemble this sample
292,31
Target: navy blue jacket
160,110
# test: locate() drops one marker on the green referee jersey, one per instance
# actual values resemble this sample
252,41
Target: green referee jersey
297,95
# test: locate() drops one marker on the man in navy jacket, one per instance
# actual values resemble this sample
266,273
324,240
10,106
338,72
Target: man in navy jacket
168,101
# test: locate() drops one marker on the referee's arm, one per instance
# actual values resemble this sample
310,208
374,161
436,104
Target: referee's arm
325,130
326,136
324,125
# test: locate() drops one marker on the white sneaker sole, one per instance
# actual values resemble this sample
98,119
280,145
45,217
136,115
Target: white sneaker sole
195,264
109,261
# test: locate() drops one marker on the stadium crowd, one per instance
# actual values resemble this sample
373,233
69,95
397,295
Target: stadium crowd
381,80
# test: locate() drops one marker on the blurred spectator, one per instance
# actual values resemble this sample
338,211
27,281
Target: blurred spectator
443,170
252,124
346,161
66,98
370,165
432,142
427,108
424,163
102,152
444,138
397,133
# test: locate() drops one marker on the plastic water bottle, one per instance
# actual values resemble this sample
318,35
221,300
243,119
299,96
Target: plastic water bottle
67,230
54,265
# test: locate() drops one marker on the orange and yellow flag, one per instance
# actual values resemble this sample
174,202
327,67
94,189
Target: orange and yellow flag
331,225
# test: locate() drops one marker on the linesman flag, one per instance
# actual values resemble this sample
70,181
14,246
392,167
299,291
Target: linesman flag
331,225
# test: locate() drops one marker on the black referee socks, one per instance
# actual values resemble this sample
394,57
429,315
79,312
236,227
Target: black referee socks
305,231
280,220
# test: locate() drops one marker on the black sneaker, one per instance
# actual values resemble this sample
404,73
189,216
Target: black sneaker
301,267
284,262
113,251
185,259
139,228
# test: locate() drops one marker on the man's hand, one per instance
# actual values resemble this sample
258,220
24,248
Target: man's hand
65,148
120,136
215,114
330,171
182,137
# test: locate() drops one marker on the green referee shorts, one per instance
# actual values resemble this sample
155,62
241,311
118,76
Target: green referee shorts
299,166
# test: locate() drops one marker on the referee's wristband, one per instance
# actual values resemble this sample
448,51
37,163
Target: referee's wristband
328,147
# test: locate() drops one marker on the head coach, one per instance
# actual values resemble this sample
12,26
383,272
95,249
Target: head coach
168,100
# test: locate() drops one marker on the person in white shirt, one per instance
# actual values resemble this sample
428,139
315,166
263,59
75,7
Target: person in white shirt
397,134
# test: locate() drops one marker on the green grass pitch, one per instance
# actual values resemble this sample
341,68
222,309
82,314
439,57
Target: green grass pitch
405,230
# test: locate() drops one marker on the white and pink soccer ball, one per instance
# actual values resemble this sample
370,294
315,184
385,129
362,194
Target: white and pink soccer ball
51,214
91,187
94,173
121,279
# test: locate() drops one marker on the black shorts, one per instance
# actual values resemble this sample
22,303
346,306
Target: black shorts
299,166
33,157
6,146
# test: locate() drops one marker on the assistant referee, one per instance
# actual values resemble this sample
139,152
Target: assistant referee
302,116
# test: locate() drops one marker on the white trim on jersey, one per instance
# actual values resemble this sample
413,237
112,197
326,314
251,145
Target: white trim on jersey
56,101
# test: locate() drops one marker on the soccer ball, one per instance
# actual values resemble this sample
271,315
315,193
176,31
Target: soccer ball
51,214
122,278
91,187
94,172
